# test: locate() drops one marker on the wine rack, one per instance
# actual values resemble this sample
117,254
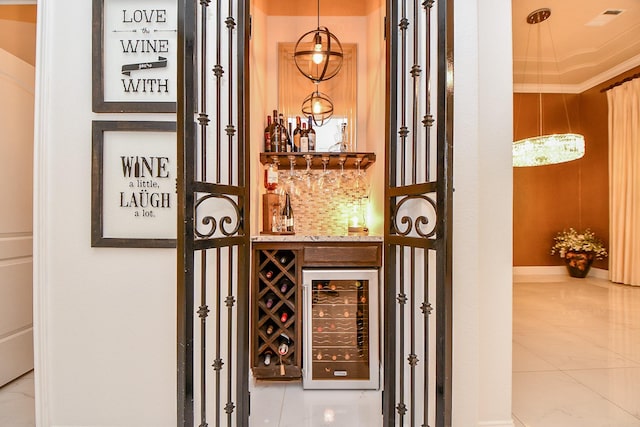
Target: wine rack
276,325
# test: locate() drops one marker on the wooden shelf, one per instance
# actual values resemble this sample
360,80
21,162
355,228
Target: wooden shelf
300,159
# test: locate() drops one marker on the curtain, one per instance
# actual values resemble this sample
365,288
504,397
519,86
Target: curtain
624,183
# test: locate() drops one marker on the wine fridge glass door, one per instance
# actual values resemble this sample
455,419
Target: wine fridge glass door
341,330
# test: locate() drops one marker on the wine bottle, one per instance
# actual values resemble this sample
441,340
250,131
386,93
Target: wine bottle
290,145
287,215
284,317
267,358
268,274
267,135
285,342
284,135
269,329
270,300
296,134
311,136
304,138
276,134
285,284
270,177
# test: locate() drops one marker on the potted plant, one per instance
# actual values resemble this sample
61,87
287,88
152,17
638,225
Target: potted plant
578,250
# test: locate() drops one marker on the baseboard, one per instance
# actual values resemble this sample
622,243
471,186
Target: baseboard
555,270
503,423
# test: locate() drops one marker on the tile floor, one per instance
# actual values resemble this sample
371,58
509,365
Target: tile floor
576,362
576,353
17,403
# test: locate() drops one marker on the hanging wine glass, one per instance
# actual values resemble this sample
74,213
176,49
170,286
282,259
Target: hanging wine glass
360,182
307,175
342,179
289,179
324,180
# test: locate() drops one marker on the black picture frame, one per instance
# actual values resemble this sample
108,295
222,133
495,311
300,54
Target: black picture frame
132,133
153,57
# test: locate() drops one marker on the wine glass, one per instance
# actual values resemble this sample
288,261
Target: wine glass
289,180
323,178
360,182
307,175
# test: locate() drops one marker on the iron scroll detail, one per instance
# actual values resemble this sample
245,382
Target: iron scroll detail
221,224
419,224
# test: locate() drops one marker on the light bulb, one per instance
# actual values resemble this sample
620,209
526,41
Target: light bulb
317,107
317,57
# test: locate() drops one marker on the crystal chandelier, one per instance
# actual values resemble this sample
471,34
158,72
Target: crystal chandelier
546,149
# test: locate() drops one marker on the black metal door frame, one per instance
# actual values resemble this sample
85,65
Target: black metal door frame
418,216
213,211
226,242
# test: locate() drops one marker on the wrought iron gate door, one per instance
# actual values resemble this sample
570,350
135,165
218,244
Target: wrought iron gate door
213,193
213,233
417,308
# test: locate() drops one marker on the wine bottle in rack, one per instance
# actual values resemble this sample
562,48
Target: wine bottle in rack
267,357
269,300
269,329
283,259
285,285
284,316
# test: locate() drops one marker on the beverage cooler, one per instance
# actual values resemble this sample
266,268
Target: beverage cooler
341,329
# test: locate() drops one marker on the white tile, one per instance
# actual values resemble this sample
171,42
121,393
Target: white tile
17,403
525,361
288,405
565,350
554,399
620,386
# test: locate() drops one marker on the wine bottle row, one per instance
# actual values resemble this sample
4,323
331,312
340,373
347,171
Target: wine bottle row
333,312
332,355
279,137
339,326
319,299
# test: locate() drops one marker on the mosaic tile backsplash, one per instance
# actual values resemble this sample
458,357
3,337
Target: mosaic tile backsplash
324,203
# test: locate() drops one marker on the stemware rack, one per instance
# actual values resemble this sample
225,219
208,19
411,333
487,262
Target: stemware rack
350,159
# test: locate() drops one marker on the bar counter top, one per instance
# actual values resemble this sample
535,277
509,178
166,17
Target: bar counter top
301,238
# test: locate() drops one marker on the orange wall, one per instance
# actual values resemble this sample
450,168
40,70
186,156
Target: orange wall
547,199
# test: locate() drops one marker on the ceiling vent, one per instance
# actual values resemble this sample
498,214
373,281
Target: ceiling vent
604,18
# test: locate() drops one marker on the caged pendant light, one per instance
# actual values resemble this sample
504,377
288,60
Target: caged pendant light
318,53
318,106
546,149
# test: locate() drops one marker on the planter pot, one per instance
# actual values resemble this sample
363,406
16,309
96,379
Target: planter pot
578,263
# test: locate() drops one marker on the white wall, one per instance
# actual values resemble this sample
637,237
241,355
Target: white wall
17,88
482,214
105,321
105,318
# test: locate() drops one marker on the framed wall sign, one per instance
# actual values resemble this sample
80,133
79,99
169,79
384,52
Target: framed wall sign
134,56
133,184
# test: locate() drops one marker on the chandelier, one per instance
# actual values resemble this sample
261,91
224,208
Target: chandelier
546,149
318,53
318,106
